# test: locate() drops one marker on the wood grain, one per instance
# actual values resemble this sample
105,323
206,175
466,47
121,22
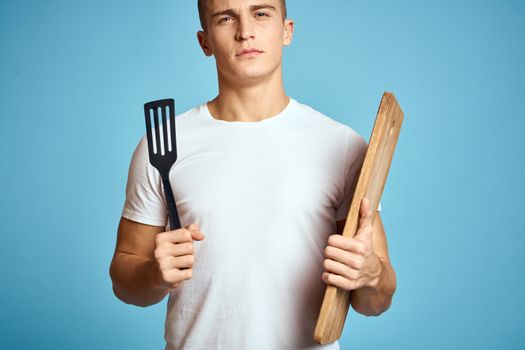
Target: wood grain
371,182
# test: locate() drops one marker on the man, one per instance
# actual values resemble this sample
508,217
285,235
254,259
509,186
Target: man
269,180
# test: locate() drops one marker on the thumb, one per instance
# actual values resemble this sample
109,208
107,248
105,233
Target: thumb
365,212
195,232
364,233
364,209
364,230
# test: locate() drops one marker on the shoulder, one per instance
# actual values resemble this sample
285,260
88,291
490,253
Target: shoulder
191,114
185,121
313,116
324,123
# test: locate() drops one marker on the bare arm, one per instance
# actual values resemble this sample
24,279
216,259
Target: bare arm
134,269
376,299
148,262
360,264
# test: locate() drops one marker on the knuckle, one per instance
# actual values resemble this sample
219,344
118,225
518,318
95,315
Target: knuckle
172,277
326,264
349,285
161,260
164,275
176,277
358,263
186,261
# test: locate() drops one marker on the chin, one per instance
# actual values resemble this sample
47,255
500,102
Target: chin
255,72
250,72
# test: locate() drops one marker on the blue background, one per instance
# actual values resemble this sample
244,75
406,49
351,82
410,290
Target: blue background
74,76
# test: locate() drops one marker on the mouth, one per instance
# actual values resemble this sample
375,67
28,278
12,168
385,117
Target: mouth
249,53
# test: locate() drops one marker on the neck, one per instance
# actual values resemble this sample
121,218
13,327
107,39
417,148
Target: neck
250,100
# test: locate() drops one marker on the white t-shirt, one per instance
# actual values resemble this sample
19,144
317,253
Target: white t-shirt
266,195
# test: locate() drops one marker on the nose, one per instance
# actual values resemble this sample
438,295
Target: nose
244,28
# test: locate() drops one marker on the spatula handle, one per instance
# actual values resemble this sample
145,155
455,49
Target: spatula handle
172,208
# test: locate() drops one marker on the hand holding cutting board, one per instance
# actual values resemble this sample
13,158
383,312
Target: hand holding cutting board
350,261
355,263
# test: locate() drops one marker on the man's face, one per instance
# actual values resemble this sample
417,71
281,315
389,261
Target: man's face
237,25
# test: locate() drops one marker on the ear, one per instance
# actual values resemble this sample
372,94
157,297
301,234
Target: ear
202,38
288,32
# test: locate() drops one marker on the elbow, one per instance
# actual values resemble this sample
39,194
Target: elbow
113,275
385,304
383,308
374,305
129,300
120,292
375,309
388,295
372,311
387,301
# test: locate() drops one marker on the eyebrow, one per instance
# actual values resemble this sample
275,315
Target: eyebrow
252,8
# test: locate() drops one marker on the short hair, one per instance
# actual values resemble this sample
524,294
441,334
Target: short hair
202,5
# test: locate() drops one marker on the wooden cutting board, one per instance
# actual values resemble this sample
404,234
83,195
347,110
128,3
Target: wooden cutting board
370,184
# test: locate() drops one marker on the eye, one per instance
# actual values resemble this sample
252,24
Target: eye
223,19
264,14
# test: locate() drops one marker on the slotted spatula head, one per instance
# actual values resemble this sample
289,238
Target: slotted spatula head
162,148
162,144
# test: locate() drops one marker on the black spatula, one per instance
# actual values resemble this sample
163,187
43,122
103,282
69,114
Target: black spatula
162,148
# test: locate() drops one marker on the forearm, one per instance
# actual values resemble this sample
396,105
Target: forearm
136,280
374,300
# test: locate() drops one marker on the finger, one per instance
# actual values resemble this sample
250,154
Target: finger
180,262
347,243
350,259
178,249
171,272
364,207
176,236
179,236
340,269
338,281
364,233
192,227
175,276
365,212
196,233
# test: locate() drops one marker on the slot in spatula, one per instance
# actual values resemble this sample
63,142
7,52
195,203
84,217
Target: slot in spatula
162,147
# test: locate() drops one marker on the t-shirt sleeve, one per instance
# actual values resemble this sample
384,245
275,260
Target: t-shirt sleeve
355,155
145,201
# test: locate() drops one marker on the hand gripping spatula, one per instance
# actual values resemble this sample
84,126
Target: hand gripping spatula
162,147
